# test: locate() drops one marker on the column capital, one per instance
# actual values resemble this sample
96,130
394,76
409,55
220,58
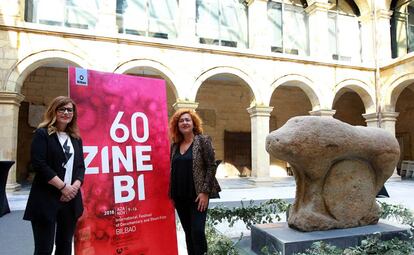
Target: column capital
384,14
389,116
14,98
371,119
381,14
259,110
317,7
185,105
370,116
323,112
249,2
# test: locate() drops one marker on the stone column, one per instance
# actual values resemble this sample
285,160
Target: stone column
371,119
185,105
258,26
323,112
186,21
9,118
107,17
388,120
259,118
367,30
318,30
12,12
383,35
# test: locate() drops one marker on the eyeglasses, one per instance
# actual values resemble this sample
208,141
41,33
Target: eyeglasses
64,109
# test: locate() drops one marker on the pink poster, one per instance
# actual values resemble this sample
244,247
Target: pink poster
123,123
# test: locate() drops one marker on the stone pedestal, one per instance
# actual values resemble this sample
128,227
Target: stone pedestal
279,237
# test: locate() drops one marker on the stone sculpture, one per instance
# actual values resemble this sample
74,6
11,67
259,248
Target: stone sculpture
338,169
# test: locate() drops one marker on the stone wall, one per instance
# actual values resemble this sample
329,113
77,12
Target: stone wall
405,121
222,105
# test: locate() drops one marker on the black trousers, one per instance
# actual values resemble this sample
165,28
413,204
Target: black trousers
64,228
193,222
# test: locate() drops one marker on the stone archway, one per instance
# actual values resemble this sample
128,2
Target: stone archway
154,69
352,99
302,82
291,96
365,92
225,70
20,138
399,98
222,102
28,64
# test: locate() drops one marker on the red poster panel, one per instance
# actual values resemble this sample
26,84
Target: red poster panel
123,124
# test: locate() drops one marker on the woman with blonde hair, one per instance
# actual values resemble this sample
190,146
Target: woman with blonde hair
55,200
193,181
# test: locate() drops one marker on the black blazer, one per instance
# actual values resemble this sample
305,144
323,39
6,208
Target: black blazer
48,161
204,166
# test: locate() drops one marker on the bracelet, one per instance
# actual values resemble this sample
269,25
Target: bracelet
64,185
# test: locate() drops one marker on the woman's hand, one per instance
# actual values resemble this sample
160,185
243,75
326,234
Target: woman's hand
202,200
68,193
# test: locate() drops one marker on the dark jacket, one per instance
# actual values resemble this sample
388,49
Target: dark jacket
48,159
204,166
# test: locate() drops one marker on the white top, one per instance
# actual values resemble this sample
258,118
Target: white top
67,148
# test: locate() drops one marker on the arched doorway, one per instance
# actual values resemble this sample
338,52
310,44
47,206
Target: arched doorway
223,99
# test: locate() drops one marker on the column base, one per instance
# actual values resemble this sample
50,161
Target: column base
262,181
13,186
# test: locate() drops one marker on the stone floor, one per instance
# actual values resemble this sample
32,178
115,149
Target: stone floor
241,189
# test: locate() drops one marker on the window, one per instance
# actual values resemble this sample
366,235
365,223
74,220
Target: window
289,28
154,18
410,27
402,27
222,22
70,13
344,32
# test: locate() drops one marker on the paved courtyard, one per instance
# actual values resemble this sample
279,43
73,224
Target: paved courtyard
16,236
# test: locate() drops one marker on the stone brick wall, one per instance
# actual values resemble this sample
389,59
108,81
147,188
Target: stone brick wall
222,105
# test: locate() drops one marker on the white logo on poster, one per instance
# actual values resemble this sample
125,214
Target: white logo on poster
81,77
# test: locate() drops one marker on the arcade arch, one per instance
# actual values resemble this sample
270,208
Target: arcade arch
52,58
153,69
290,98
399,98
227,71
41,81
222,102
349,107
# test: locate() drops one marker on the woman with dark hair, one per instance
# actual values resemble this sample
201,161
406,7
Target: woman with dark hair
193,181
55,200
